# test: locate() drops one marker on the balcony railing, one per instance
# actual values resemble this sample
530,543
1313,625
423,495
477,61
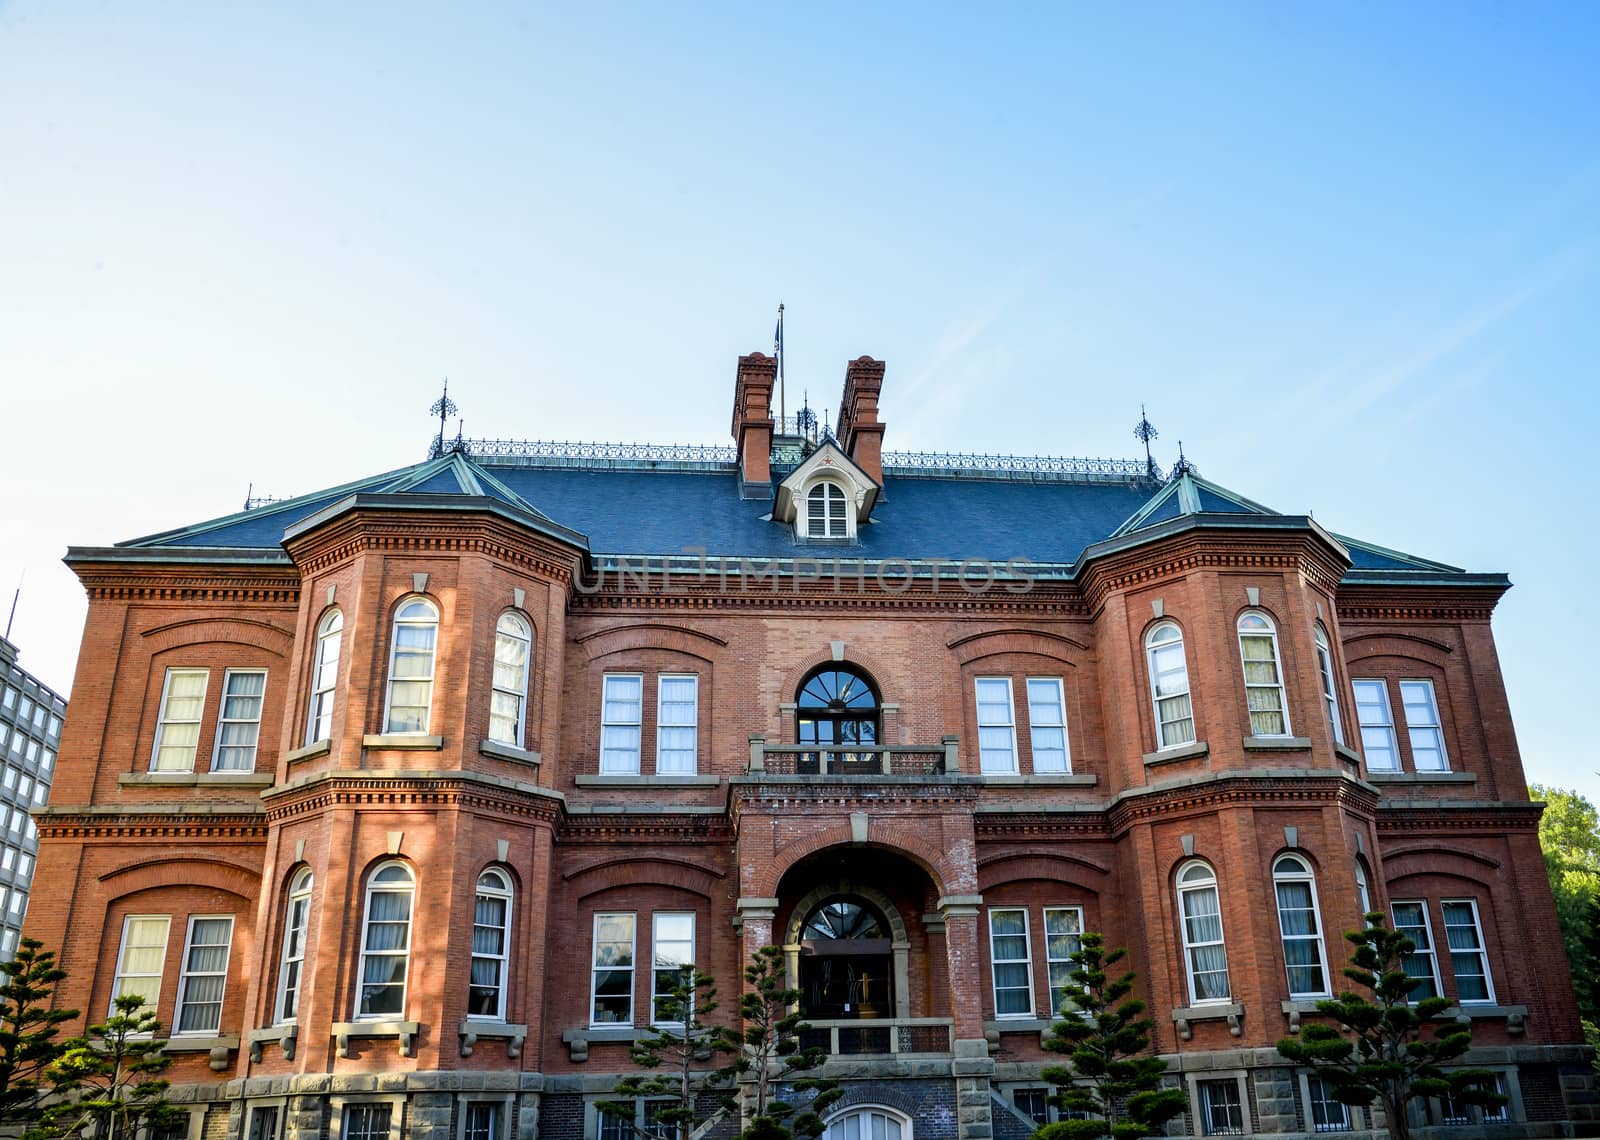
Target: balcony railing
879,760
869,1038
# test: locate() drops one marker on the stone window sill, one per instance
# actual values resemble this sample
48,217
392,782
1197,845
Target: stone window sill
473,1031
286,1037
1516,1016
684,781
578,1041
1190,751
196,779
219,1048
404,1031
1421,777
1347,754
403,743
1231,1012
1042,780
501,751
1277,744
310,752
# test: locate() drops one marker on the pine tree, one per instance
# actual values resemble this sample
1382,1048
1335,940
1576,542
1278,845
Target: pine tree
1112,1083
108,1084
28,1029
1376,1048
679,1038
773,1055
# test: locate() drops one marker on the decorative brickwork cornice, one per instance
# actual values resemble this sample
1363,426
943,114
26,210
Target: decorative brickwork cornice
1302,551
907,796
196,584
1496,817
365,532
1403,603
418,789
657,828
835,596
157,821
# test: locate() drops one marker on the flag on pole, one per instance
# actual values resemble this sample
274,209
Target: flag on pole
777,337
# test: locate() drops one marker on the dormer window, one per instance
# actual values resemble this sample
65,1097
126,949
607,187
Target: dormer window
826,511
827,498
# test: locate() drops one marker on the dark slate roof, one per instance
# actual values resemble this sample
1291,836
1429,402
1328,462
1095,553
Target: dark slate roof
667,509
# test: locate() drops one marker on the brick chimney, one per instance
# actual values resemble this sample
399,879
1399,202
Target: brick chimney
860,433
752,418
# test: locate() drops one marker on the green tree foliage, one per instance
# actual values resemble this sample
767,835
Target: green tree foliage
108,1084
773,1059
680,1040
1385,1047
1569,834
28,1029
1111,1076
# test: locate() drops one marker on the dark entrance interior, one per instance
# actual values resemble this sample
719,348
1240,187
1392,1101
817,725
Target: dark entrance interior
846,962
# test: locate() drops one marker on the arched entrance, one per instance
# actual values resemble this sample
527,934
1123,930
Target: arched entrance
870,1123
837,708
846,961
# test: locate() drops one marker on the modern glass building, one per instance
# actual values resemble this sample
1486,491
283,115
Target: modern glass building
30,731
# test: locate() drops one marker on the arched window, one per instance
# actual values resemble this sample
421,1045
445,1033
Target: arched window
1169,685
868,1124
1363,890
1329,688
825,511
836,708
513,637
491,936
324,673
411,656
1205,953
1263,675
385,943
1300,926
296,915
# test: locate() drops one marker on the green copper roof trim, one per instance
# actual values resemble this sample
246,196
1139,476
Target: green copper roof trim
1400,555
422,501
203,555
1187,490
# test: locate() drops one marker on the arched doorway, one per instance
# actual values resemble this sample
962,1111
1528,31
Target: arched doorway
868,1124
847,965
836,708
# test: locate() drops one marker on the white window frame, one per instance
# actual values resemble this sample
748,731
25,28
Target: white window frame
296,929
1267,629
1026,961
1433,725
1060,965
372,888
164,719
993,760
187,976
1480,951
325,676
401,620
844,516
680,765
1305,874
660,974
493,883
835,1130
467,1102
278,1106
1056,686
596,968
1195,886
511,626
1165,645
1385,726
223,719
1353,1120
620,761
1330,686
1363,889
341,1106
124,975
1430,952
1200,1085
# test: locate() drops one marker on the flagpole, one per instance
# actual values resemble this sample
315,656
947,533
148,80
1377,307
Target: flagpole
781,408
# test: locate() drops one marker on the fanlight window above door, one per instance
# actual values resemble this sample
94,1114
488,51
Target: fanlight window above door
842,920
837,690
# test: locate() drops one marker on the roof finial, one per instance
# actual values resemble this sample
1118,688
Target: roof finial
1183,466
805,420
1145,431
442,407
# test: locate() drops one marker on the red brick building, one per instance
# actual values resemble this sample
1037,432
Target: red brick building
399,800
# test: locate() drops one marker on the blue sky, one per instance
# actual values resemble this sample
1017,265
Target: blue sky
1348,254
